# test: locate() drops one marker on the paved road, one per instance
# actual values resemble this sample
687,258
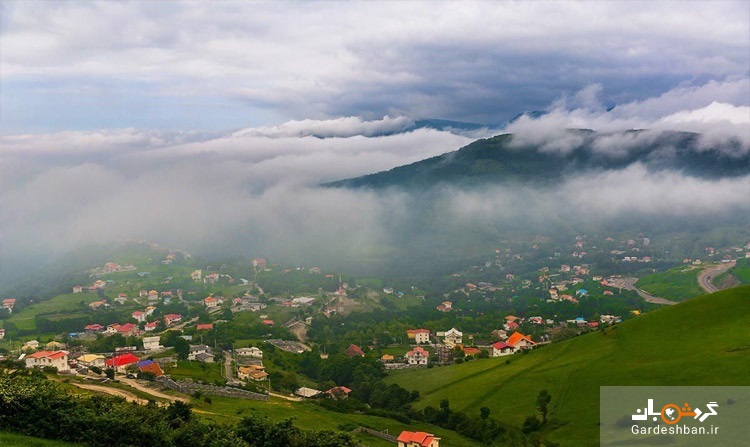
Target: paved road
629,284
706,276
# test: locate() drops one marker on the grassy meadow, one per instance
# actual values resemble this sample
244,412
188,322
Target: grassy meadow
676,284
676,345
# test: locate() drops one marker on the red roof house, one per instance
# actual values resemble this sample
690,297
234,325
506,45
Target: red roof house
354,351
204,327
120,362
417,439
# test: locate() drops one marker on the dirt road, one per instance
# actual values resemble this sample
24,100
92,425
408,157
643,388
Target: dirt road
130,397
133,383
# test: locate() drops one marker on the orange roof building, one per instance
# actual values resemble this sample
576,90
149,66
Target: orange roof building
417,439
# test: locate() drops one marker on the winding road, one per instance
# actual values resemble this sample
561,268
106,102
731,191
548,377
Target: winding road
707,275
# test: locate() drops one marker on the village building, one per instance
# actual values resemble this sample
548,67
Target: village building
55,359
307,392
152,343
453,337
170,319
2,333
339,392
249,352
138,316
354,351
120,363
501,349
77,289
149,366
252,372
519,341
201,353
417,356
92,360
417,439
419,335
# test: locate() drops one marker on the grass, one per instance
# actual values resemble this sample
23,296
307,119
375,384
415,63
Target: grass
310,416
199,372
678,345
16,440
741,271
676,284
69,303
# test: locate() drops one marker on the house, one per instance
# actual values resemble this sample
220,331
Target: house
417,356
453,337
153,295
387,358
93,328
252,372
354,351
419,335
97,304
268,322
31,344
519,341
471,351
196,275
77,289
91,360
151,343
128,329
54,346
500,349
138,316
417,439
149,310
210,302
249,352
204,327
510,326
259,263
171,319
150,327
55,359
339,392
122,298
142,293
200,350
307,392
111,329
149,366
120,362
2,333
445,306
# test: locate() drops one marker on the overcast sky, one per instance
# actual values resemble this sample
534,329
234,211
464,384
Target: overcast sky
208,125
227,65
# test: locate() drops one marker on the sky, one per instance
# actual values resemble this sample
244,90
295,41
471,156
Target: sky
209,125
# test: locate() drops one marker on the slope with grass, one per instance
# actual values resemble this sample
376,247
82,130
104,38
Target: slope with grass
16,440
63,305
686,344
676,284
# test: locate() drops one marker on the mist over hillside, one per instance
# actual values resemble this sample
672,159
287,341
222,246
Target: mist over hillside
256,192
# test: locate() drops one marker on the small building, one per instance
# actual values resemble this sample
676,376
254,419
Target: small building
354,351
453,337
519,341
120,362
252,372
170,319
307,393
417,439
150,327
77,289
138,316
149,366
55,359
152,343
339,392
417,356
200,350
419,335
249,352
501,349
92,360
210,302
204,327
2,333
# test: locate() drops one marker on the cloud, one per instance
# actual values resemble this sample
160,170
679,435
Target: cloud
181,64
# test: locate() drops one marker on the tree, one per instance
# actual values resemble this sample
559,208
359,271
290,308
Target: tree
542,404
110,373
182,348
484,413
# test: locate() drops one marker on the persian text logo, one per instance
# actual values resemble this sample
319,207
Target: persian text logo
672,413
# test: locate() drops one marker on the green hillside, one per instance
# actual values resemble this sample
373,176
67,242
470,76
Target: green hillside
684,344
676,284
16,440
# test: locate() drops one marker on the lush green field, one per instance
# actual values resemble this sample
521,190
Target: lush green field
686,344
64,304
15,440
676,284
313,417
209,372
741,271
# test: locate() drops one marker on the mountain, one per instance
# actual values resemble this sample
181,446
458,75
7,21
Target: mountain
508,158
666,347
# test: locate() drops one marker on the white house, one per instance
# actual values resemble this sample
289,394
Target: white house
56,359
500,349
2,333
419,335
92,360
519,341
151,343
249,352
417,356
202,353
453,337
139,316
